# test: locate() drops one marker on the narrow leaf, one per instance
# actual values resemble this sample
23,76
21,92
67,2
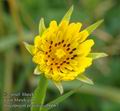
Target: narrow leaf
37,71
42,27
59,99
91,28
97,55
109,92
85,79
67,16
29,47
59,86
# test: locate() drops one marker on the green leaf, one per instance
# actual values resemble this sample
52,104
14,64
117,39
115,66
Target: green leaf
39,94
85,79
59,99
97,55
59,86
42,27
29,47
67,16
37,71
91,28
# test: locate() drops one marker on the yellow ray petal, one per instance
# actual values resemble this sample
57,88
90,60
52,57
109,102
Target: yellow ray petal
39,58
85,62
82,36
53,26
85,47
37,41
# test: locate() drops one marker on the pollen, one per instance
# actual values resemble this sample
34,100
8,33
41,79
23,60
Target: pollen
60,53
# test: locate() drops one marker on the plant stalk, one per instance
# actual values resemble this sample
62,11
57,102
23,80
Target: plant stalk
39,94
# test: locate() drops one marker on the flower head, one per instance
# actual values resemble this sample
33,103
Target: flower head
62,51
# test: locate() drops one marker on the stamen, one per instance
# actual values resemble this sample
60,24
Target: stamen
64,61
56,63
67,62
73,56
61,64
67,58
62,41
51,42
55,44
58,67
49,50
68,45
61,71
51,63
48,55
64,45
53,59
59,43
50,47
68,49
71,52
74,49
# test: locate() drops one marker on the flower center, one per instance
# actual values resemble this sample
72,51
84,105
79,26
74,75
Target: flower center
60,53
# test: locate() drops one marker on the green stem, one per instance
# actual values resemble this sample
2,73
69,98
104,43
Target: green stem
39,94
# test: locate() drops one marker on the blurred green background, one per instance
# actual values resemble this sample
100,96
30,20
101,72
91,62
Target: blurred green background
19,22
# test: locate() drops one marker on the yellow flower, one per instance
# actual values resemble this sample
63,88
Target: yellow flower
62,51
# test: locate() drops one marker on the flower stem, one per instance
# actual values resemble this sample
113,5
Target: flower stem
39,94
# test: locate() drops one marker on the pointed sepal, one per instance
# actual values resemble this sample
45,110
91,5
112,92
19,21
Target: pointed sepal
97,55
37,71
29,47
92,27
59,86
67,16
42,27
85,79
